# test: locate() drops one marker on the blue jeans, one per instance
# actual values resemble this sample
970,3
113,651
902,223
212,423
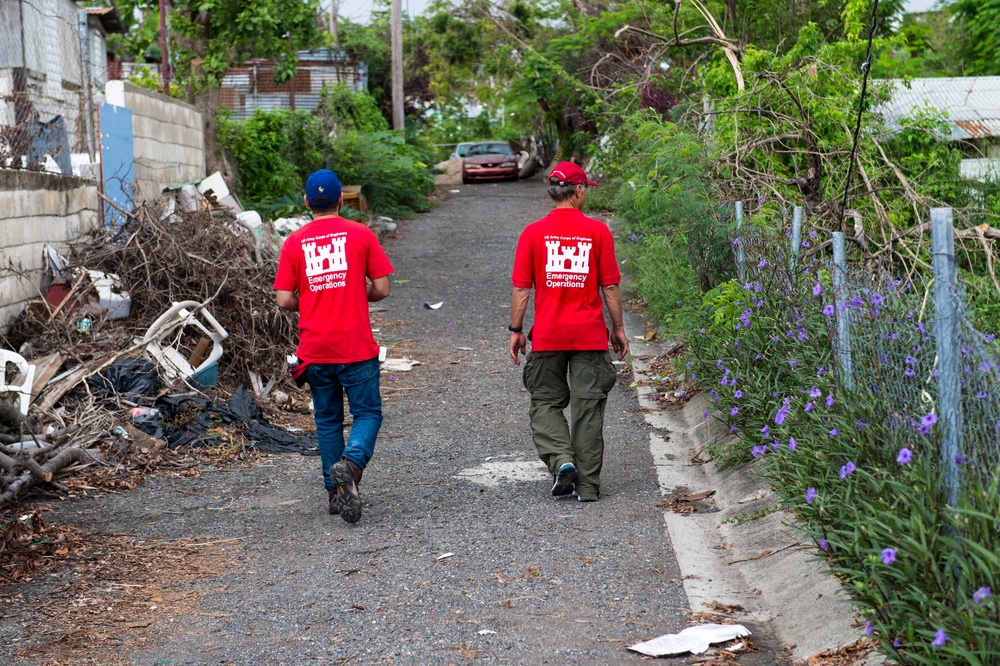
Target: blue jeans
328,382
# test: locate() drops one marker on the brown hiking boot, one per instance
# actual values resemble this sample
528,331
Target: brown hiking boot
333,502
345,474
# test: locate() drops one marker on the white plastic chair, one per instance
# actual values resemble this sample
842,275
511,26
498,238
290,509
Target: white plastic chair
27,377
163,338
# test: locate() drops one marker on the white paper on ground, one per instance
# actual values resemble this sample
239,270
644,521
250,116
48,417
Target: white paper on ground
693,639
399,364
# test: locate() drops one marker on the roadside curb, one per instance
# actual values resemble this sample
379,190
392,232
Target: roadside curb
763,564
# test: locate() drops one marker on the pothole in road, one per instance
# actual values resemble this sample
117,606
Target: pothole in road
493,473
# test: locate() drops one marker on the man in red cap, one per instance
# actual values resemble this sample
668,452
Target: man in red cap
569,260
328,272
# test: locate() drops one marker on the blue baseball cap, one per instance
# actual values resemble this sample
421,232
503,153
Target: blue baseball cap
323,188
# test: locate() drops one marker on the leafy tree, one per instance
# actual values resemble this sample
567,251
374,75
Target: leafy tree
209,37
979,35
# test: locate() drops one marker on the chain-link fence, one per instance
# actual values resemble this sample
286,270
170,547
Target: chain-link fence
906,345
46,48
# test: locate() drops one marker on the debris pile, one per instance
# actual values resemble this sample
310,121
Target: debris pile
135,325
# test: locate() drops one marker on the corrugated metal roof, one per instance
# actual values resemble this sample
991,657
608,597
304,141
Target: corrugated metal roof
972,104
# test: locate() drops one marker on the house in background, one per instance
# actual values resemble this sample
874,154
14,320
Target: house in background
53,60
252,86
972,106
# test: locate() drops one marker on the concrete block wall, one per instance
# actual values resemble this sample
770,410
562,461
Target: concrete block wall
35,209
169,141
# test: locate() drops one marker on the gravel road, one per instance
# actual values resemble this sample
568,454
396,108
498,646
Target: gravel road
529,579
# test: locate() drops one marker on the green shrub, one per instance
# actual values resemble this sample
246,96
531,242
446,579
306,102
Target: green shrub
392,174
861,467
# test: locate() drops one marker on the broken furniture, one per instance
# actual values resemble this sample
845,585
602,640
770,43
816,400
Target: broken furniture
354,198
27,376
170,337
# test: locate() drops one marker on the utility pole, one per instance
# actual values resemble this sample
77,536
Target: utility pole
396,48
333,24
164,54
291,81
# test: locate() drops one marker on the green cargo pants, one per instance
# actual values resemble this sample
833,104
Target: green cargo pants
591,376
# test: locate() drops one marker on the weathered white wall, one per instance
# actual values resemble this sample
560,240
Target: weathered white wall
169,141
35,209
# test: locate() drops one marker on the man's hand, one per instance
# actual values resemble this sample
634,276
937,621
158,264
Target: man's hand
619,342
517,345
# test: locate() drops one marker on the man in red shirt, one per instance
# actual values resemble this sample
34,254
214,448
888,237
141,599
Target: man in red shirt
328,272
569,260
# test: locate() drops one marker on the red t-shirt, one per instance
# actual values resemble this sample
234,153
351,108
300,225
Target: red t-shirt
327,262
566,257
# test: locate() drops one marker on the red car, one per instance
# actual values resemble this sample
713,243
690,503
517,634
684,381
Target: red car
490,160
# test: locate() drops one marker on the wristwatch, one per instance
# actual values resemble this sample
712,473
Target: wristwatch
513,329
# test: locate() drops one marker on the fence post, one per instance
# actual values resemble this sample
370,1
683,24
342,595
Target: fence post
740,258
949,359
843,319
796,237
87,104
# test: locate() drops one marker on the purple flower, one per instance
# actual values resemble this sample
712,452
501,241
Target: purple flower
809,406
792,362
822,370
815,392
909,360
732,429
905,456
734,411
980,594
888,556
828,310
981,395
757,357
757,451
862,424
834,432
805,244
869,629
897,643
877,300
818,289
694,375
792,444
763,262
940,638
847,469
766,430
927,421
812,233
738,394
392,378
736,241
811,494
718,363
824,545
704,414
829,400
909,372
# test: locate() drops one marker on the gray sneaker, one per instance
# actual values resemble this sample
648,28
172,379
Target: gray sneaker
563,484
348,499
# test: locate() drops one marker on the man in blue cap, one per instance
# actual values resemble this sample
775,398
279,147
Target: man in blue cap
328,272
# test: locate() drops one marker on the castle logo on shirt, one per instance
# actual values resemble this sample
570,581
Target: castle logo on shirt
326,261
567,261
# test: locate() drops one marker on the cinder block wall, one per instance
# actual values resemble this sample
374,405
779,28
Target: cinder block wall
35,209
169,141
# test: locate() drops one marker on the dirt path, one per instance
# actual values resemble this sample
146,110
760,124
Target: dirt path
530,579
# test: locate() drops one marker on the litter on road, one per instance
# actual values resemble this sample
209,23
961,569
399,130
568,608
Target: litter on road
693,639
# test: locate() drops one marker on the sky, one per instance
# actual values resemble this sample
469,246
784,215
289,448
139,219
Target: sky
359,11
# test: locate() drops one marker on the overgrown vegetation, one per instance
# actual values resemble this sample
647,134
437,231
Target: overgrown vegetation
275,151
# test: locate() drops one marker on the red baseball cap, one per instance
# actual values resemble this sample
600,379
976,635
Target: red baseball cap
567,173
